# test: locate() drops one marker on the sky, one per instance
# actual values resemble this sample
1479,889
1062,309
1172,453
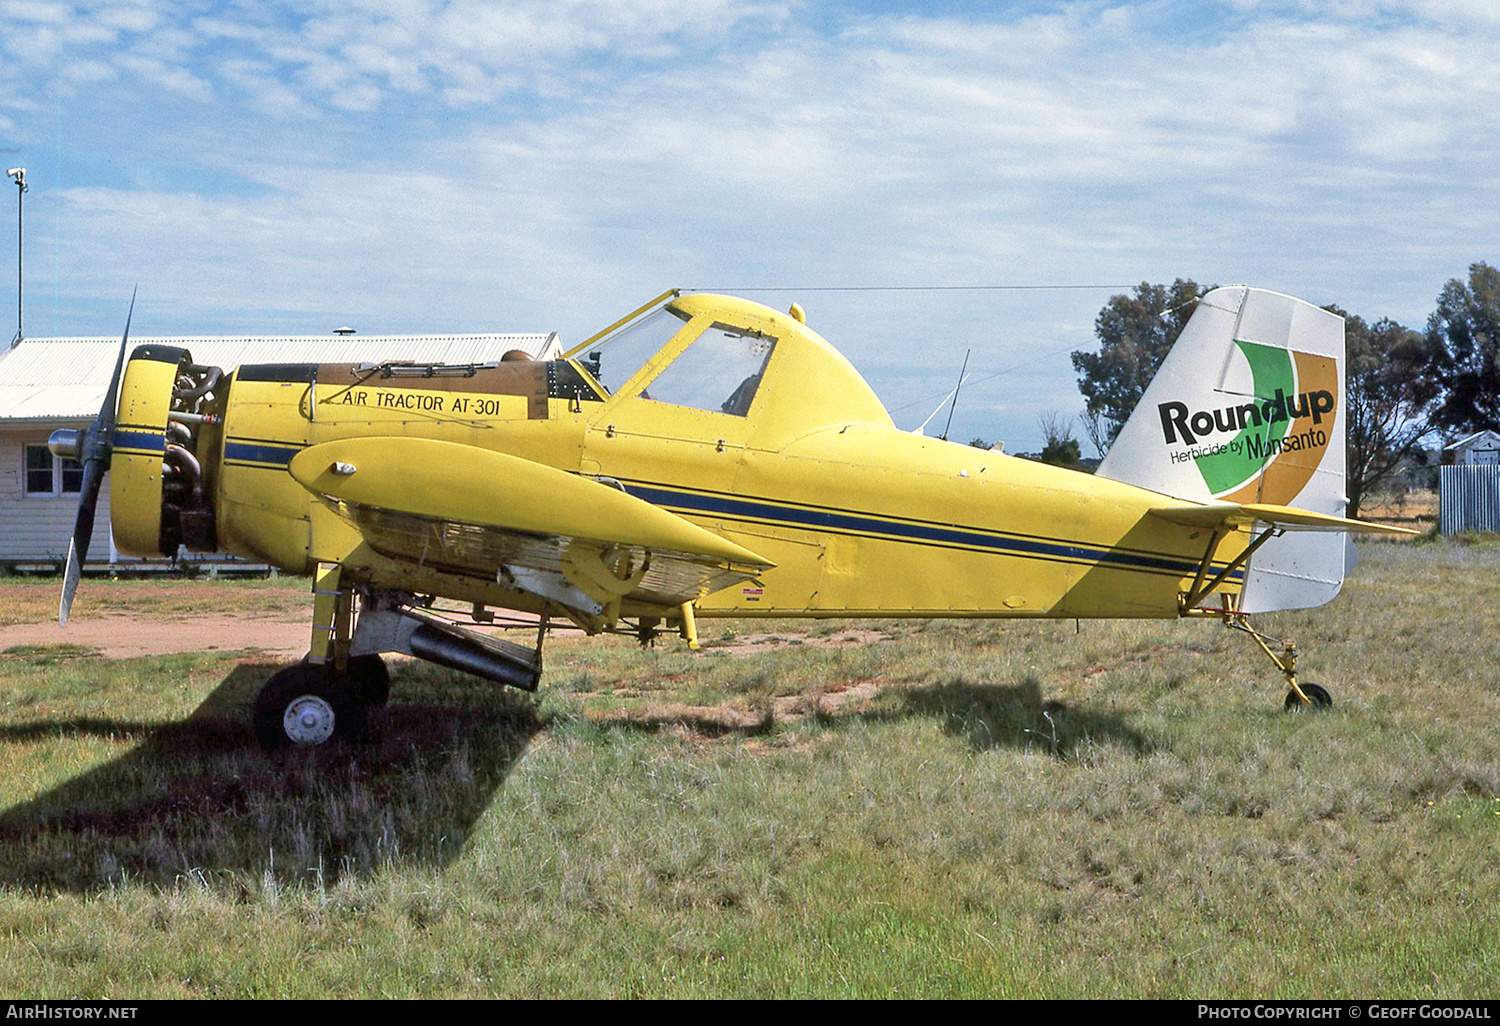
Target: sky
927,179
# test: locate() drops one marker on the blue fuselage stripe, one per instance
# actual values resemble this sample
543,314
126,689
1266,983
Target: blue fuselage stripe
906,530
273,456
140,441
259,453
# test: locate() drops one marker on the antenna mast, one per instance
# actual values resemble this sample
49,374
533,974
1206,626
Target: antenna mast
960,384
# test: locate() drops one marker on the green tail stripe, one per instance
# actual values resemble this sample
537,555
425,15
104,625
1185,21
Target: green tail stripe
1271,370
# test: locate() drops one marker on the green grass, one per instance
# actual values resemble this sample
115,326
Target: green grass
961,809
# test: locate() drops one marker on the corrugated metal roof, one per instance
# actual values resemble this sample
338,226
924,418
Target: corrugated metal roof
66,378
1486,437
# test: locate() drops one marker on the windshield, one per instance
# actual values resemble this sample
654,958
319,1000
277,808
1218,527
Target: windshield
617,359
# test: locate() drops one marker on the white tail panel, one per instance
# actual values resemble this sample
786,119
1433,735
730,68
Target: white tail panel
1248,407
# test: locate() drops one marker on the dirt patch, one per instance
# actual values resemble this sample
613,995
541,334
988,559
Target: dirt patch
745,644
124,637
1416,510
711,721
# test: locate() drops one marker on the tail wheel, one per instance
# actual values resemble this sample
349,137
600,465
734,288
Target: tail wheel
1319,695
307,705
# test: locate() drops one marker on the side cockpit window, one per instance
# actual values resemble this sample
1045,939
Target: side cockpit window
720,372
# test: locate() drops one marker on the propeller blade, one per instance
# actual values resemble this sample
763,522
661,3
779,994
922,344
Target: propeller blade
97,447
70,584
107,411
83,532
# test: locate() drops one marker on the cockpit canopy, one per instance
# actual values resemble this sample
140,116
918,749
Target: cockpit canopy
719,370
734,358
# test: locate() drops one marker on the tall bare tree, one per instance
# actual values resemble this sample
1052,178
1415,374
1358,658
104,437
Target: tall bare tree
1060,448
1388,401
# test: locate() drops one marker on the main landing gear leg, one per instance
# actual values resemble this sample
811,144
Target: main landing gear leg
327,697
1303,695
689,625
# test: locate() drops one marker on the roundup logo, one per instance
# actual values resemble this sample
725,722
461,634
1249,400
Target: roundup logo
1266,450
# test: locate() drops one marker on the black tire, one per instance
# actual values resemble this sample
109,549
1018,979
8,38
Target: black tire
307,705
1321,699
370,679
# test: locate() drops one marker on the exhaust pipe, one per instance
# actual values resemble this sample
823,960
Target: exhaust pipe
491,658
386,626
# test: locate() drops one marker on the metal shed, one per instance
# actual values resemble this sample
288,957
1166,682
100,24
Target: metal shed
1469,486
1482,448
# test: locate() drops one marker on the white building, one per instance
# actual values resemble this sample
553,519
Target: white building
1482,448
50,383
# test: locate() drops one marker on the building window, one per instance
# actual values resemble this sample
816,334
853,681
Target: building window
72,476
47,474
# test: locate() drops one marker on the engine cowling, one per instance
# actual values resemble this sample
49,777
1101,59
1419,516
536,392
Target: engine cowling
166,429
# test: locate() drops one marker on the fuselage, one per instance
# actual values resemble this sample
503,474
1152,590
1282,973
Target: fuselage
800,465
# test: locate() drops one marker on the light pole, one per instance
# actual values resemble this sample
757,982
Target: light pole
19,174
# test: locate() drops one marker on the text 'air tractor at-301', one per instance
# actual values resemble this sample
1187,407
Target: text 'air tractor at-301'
707,456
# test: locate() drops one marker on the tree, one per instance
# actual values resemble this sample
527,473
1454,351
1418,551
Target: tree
1061,448
1463,344
1387,401
1135,333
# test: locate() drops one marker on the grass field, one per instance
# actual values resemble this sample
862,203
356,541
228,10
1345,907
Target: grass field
920,809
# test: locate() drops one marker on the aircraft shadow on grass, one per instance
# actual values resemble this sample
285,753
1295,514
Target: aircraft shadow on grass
1016,715
988,715
198,800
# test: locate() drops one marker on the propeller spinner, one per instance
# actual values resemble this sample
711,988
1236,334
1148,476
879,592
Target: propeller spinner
93,446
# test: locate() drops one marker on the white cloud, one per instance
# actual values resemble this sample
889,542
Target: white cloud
263,89
161,74
461,52
131,19
35,11
88,72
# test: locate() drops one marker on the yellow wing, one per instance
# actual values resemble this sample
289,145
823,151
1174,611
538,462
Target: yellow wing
574,540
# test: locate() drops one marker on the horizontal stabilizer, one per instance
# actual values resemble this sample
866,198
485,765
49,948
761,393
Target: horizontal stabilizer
1233,516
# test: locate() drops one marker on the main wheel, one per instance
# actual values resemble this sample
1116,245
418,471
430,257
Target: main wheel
371,679
1321,699
306,705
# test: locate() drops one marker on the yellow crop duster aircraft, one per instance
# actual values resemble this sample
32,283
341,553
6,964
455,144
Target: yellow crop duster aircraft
707,456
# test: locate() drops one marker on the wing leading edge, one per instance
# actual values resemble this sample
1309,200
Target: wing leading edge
573,540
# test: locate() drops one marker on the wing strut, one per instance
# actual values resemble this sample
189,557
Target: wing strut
689,625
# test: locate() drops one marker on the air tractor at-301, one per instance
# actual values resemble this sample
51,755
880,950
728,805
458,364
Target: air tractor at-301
708,456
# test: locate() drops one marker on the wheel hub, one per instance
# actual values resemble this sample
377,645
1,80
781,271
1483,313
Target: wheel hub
309,720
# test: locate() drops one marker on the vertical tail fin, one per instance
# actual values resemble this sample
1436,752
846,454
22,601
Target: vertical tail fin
1248,408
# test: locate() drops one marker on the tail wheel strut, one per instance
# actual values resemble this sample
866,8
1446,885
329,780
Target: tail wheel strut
1301,695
